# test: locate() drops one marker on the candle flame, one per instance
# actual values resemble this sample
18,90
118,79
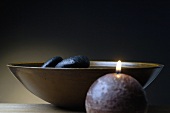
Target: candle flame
118,67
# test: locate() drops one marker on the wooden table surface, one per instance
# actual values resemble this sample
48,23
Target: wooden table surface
48,108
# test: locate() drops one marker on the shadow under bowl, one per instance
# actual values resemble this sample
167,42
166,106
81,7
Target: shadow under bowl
67,87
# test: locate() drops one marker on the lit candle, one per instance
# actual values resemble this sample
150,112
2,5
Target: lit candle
116,93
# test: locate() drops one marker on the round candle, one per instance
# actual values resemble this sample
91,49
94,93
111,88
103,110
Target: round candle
116,93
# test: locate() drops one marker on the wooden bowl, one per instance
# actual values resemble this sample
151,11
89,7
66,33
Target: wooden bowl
67,87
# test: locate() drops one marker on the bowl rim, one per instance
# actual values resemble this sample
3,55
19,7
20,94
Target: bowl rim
103,65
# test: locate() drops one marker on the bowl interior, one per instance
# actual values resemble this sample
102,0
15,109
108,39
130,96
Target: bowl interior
144,72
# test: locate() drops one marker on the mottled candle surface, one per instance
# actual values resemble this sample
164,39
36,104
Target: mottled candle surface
116,93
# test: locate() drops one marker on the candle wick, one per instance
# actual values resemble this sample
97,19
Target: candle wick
117,72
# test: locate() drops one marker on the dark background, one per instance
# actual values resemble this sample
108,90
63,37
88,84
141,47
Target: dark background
34,31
